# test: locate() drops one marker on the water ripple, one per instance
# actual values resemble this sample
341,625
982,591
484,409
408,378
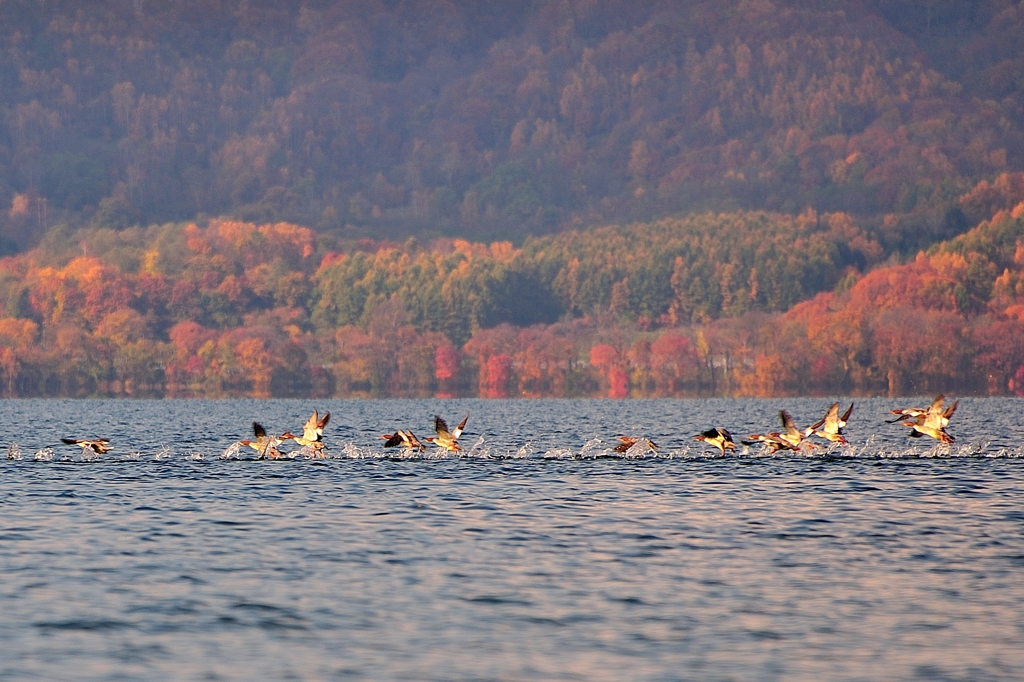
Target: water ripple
533,554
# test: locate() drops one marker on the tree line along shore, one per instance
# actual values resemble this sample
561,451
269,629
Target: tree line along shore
742,303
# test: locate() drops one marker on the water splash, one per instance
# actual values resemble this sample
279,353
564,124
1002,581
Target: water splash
401,454
592,448
477,450
353,451
640,449
231,451
689,451
436,453
867,447
976,448
524,452
757,451
311,452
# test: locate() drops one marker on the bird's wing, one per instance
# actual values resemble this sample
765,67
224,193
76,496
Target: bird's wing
322,423
309,428
907,413
846,416
394,440
309,434
755,438
788,425
830,421
70,441
440,427
936,417
832,416
258,430
948,414
458,429
818,424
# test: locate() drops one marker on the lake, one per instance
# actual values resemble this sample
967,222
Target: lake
536,554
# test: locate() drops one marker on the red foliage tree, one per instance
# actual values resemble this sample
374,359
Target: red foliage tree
608,359
447,364
674,360
499,372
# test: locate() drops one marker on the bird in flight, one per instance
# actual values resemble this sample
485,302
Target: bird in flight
790,438
266,445
403,438
449,440
98,446
719,437
931,422
630,441
312,433
830,427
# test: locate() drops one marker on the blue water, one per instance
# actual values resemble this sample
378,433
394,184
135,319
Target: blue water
536,554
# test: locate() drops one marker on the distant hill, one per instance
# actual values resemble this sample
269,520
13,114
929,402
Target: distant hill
491,120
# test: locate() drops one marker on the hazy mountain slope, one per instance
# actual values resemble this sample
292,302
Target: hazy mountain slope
496,119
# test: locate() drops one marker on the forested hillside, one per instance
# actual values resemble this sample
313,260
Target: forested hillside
644,197
743,303
495,120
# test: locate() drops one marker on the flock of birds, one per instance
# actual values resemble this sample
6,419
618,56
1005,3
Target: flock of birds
312,439
930,421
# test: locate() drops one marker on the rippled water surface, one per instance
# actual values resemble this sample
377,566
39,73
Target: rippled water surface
536,554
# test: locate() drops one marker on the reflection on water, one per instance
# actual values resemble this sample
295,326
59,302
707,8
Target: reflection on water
537,553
